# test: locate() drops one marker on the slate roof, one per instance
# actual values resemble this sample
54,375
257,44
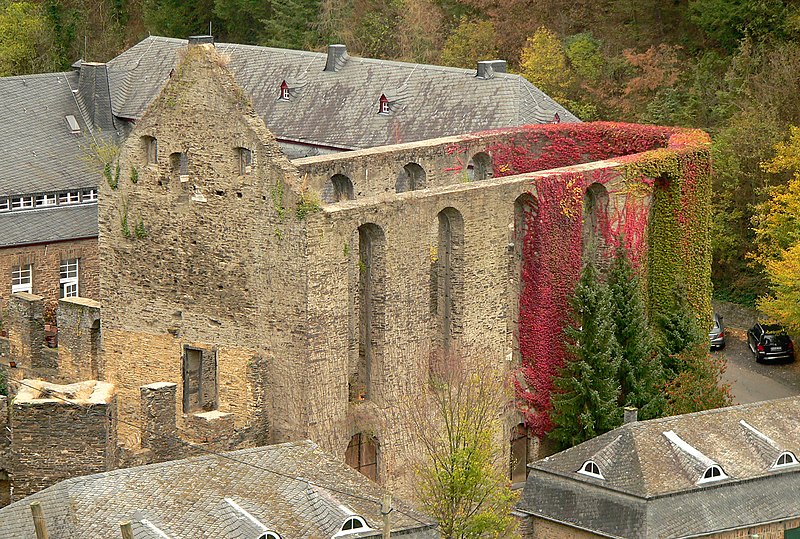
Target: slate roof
48,225
340,108
191,499
651,486
38,152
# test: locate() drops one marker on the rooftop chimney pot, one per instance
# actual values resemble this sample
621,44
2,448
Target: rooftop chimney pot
631,415
487,68
337,56
201,40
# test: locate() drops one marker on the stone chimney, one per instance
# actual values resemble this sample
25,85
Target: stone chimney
201,40
631,415
487,68
337,56
94,94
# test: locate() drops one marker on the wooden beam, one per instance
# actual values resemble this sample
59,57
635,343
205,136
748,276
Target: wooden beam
126,529
39,523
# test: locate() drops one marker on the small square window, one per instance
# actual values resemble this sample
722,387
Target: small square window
70,197
45,200
5,204
21,278
21,203
89,195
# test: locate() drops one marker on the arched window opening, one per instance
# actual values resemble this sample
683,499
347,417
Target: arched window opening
480,167
411,178
519,454
524,216
150,149
362,455
179,165
786,458
370,309
712,473
339,188
596,229
269,535
5,488
591,469
447,278
353,524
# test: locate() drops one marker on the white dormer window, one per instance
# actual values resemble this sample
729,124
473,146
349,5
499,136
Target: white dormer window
384,105
786,458
353,524
21,203
89,195
70,197
269,535
45,200
591,469
712,473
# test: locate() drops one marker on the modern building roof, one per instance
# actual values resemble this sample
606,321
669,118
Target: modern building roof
654,471
58,223
341,108
220,497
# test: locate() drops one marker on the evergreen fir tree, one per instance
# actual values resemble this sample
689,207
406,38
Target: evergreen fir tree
640,374
585,403
678,331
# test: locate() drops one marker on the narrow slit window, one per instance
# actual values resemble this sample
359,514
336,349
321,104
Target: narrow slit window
245,161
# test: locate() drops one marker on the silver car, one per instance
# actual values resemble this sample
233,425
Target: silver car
717,333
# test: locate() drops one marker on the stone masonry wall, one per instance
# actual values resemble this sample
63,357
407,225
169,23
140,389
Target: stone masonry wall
220,265
46,261
53,440
79,338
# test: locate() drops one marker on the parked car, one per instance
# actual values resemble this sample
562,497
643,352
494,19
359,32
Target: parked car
770,342
717,333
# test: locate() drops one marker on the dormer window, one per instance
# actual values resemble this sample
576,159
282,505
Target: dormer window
712,473
591,469
284,93
384,105
353,524
269,535
786,458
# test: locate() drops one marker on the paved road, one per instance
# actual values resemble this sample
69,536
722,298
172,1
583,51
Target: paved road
751,381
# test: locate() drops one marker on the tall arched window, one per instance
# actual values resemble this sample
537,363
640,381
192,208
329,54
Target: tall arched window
370,310
447,278
520,265
480,167
596,225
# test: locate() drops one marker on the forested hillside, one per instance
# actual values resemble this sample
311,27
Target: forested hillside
729,66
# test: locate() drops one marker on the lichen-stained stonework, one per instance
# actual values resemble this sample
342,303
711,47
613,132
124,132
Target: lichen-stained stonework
290,300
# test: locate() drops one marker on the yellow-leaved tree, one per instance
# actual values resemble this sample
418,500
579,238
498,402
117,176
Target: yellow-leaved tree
544,63
777,228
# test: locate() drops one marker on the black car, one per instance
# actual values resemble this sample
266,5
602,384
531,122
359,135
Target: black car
769,342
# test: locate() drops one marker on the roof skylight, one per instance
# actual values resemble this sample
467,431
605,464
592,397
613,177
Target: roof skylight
72,123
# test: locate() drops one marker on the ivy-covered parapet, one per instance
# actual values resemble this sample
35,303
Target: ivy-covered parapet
655,202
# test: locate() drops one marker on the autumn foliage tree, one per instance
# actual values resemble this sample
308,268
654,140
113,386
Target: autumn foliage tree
462,481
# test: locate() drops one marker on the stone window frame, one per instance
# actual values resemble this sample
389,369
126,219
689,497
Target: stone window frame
22,278
150,147
245,157
69,278
208,384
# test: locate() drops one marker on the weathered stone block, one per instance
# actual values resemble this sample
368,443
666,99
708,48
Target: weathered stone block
79,338
159,428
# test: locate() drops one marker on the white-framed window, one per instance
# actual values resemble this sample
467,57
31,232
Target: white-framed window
45,200
284,95
786,458
70,197
353,524
712,473
21,278
269,535
89,195
5,204
21,203
69,278
384,105
591,469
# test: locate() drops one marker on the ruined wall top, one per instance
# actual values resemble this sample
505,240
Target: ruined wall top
82,393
